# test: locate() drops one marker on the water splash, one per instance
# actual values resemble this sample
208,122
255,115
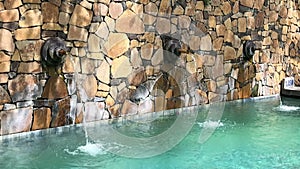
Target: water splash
92,149
286,108
210,124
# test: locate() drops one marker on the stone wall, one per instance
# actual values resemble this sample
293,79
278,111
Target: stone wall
115,48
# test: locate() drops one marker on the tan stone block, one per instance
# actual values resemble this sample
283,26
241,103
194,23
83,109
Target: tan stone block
148,19
212,22
76,33
258,4
178,10
28,33
121,67
242,24
163,25
194,43
63,18
81,16
115,9
12,4
283,11
116,45
164,7
226,8
30,67
5,66
218,43
229,36
52,27
251,23
147,51
6,41
247,3
273,16
9,15
229,53
50,12
206,43
103,72
228,24
32,1
184,22
31,18
158,57
221,30
259,19
3,79
267,41
151,8
130,22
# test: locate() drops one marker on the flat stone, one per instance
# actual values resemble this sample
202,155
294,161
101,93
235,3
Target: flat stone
164,7
117,44
158,57
129,108
137,77
212,22
89,85
218,43
242,24
247,3
81,16
9,15
103,72
88,65
31,18
194,43
259,19
76,33
226,8
86,4
4,66
206,43
32,1
5,98
115,9
151,8
6,41
102,31
41,118
229,53
163,25
229,36
94,43
111,24
149,19
3,78
60,112
63,18
283,11
221,30
100,9
258,4
147,51
29,50
28,33
130,22
30,67
121,67
273,16
55,88
16,121
184,22
12,4
50,12
135,58
52,27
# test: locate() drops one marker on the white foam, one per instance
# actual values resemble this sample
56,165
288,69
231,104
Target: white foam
92,149
211,124
287,108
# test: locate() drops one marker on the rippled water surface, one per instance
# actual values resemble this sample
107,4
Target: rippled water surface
253,134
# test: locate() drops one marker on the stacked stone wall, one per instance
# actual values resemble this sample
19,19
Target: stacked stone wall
116,46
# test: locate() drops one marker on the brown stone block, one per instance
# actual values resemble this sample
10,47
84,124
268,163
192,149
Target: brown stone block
6,41
11,4
9,15
4,66
50,12
259,19
30,67
76,33
242,24
41,118
55,88
60,112
28,33
31,18
229,53
81,16
247,3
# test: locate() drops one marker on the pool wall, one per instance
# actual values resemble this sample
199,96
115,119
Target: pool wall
114,47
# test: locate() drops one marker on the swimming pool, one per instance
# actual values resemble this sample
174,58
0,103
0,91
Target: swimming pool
252,134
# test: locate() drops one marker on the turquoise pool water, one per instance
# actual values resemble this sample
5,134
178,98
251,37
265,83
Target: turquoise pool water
252,134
